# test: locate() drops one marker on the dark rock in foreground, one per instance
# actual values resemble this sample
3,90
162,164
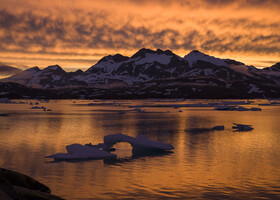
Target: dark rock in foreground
17,186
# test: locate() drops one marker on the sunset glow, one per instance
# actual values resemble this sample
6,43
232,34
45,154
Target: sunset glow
77,33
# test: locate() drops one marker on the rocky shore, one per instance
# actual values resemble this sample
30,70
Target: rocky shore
17,186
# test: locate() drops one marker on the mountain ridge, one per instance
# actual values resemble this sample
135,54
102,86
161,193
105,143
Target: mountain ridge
159,71
6,70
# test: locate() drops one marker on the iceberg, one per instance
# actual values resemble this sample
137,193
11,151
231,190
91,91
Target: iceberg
78,152
234,108
225,108
139,145
38,107
242,127
256,109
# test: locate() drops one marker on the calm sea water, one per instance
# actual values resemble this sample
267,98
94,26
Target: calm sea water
213,165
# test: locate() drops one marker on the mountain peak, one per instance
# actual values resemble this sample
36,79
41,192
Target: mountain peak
195,51
79,71
53,67
142,52
275,67
166,52
33,69
116,58
196,55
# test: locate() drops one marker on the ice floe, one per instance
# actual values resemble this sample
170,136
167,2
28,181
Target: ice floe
41,107
139,145
242,127
235,108
78,151
38,107
102,150
270,104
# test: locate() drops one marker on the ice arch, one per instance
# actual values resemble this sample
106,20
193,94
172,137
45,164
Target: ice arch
139,144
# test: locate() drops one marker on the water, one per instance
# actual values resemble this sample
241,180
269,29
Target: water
214,165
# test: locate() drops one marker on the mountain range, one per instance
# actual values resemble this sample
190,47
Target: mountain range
148,74
6,71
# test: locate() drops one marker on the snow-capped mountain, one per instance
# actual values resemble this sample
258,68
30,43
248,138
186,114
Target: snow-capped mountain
273,68
50,77
195,57
158,73
145,65
6,71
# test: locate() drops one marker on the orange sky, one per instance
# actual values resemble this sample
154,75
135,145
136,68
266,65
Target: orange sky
77,33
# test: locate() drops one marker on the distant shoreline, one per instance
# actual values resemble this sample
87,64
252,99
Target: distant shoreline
17,91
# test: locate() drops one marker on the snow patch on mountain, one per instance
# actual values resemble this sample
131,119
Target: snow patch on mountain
195,55
150,58
254,89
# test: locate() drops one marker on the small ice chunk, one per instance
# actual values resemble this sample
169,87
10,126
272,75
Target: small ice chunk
240,108
256,109
225,108
242,127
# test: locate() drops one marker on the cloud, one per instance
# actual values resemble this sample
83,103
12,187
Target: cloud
90,27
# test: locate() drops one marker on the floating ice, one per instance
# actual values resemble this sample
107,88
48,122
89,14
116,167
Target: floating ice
225,108
240,108
242,127
38,107
270,104
139,145
78,151
256,109
234,108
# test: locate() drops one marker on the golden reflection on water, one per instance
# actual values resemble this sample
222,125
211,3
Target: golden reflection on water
203,166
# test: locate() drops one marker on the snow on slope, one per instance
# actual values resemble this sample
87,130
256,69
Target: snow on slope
145,65
195,56
150,58
34,77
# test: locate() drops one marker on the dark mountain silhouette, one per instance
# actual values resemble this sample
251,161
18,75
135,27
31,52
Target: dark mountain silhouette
6,70
153,74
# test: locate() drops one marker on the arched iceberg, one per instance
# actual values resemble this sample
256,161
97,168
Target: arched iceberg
139,145
78,151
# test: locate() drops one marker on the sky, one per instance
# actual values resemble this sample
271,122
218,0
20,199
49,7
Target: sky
77,33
